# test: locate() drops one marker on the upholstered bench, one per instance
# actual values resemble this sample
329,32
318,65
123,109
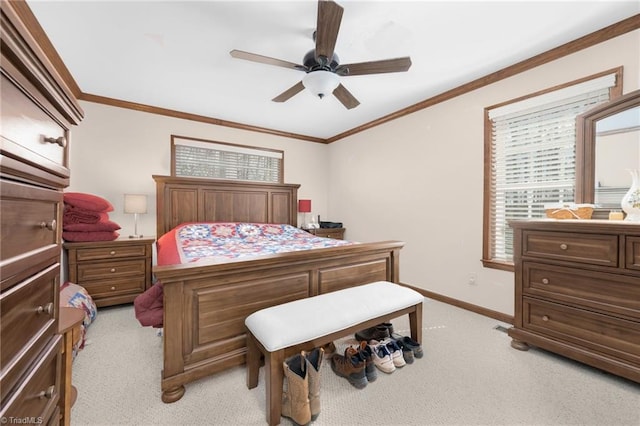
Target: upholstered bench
283,330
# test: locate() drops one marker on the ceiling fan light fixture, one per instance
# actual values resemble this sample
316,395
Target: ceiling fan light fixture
321,82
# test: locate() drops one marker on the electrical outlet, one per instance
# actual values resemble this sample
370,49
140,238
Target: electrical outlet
473,277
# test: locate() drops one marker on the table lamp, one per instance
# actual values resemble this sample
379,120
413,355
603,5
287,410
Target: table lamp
135,204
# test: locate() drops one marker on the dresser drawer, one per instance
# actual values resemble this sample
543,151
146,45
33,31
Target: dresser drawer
115,287
111,252
336,233
632,253
618,294
31,134
110,270
28,311
29,230
583,248
332,234
37,396
601,333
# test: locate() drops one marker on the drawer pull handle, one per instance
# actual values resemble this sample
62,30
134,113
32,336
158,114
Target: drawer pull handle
545,318
49,393
563,246
113,270
545,281
51,226
62,141
113,288
46,309
112,252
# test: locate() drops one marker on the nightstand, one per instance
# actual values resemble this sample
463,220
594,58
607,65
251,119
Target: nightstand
337,233
113,272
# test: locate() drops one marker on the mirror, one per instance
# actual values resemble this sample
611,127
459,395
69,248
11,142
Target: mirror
607,145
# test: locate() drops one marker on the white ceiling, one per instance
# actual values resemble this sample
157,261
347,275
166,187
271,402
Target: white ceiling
175,54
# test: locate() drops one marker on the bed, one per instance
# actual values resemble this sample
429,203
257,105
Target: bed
206,302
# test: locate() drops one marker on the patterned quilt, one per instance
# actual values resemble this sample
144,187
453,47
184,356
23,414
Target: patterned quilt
230,240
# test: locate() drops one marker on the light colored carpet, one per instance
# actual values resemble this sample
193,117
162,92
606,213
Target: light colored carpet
469,376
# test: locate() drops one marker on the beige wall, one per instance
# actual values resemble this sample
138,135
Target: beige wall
420,178
416,179
116,151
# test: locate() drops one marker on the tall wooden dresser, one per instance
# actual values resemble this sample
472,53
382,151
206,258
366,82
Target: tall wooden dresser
37,112
577,291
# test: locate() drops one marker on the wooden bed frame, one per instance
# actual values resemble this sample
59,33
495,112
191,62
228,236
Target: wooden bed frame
206,303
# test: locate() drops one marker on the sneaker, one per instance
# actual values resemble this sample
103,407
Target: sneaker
382,357
409,343
350,366
407,352
379,332
396,353
366,354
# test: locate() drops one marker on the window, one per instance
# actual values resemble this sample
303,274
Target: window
530,157
217,160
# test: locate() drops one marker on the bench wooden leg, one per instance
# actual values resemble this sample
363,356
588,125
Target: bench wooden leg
415,323
274,377
253,361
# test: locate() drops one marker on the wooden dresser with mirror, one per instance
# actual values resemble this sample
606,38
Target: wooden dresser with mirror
37,113
577,282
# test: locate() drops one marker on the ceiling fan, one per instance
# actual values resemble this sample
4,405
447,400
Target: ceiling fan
322,64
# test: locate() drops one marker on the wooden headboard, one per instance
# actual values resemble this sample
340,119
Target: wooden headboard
181,200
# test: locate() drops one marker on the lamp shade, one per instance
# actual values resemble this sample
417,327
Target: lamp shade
304,206
321,82
135,203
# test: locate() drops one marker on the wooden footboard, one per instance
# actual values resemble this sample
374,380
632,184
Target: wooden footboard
205,305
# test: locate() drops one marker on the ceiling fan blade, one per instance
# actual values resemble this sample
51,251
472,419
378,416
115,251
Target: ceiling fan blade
240,54
345,97
289,93
328,25
375,67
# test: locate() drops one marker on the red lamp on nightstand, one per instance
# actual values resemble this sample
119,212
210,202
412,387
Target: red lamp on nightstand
304,206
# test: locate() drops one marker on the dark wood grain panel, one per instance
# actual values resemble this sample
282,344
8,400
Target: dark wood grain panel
182,200
30,226
603,333
38,395
29,313
592,248
633,253
621,294
28,126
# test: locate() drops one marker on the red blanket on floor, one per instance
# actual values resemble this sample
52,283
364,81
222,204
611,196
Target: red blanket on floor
148,307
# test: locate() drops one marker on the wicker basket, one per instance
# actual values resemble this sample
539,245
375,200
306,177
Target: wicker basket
570,212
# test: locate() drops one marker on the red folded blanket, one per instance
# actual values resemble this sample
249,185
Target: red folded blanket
103,225
77,215
86,201
90,236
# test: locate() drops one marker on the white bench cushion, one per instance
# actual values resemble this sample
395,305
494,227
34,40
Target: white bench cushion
300,321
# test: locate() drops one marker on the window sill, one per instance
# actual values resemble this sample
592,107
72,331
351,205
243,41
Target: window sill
495,264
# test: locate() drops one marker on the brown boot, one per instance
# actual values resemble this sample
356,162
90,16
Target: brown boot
314,362
295,398
350,366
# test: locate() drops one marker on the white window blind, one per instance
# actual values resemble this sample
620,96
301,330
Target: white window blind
196,158
533,156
